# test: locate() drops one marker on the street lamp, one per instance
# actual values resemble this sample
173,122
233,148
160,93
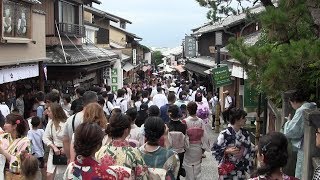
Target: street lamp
218,44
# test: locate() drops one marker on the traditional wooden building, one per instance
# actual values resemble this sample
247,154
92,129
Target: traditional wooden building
22,47
74,59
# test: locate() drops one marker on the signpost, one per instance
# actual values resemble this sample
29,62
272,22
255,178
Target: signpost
221,76
190,46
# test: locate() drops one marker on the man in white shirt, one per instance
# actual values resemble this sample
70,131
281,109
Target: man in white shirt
160,99
75,120
227,106
121,102
4,109
108,106
154,91
145,99
214,101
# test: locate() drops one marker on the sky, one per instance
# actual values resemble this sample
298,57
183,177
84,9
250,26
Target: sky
161,23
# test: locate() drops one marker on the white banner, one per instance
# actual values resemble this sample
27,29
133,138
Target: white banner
11,74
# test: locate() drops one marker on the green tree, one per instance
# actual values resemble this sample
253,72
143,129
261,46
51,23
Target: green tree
287,54
157,57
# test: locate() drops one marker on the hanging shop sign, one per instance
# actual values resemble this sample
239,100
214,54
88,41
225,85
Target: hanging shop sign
221,76
15,73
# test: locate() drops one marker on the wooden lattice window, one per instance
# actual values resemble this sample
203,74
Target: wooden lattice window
16,19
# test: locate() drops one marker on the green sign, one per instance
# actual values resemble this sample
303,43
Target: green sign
114,88
114,72
221,76
250,96
114,80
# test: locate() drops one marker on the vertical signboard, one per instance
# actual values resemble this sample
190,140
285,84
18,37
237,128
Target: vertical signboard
190,47
134,57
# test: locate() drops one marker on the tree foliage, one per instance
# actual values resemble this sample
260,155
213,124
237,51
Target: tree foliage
287,54
157,57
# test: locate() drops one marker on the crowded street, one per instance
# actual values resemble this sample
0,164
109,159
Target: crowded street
159,90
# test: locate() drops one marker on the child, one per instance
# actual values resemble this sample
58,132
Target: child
35,135
176,136
29,166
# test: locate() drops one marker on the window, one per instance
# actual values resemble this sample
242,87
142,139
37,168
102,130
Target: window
16,19
68,13
123,25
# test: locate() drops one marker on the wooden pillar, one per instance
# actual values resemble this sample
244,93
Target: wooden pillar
311,152
41,76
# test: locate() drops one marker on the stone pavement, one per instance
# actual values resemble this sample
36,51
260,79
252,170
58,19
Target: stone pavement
209,166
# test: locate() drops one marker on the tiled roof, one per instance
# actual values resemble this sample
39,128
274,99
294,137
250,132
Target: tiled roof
204,60
34,1
228,21
86,53
249,40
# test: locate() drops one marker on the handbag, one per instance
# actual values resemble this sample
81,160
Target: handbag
60,159
225,167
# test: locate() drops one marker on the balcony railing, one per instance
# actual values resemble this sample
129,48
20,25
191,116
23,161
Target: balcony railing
72,29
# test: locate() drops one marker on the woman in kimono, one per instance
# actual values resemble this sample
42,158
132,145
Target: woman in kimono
294,127
163,163
233,145
197,141
176,135
85,165
53,136
118,151
13,142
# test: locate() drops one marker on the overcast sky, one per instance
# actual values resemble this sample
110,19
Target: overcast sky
161,23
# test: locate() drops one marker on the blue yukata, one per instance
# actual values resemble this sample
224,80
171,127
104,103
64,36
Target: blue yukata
294,131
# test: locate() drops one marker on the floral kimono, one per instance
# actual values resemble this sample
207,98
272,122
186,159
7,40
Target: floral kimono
243,160
264,177
162,163
14,148
122,154
89,168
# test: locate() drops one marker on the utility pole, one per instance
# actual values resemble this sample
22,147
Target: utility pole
218,44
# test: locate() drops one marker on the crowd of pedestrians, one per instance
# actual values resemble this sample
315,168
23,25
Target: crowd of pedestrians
148,130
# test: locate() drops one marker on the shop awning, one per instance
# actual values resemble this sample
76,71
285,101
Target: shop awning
127,67
146,68
238,72
180,68
198,69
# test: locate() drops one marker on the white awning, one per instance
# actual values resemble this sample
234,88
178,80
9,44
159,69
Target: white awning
127,67
112,44
238,72
23,71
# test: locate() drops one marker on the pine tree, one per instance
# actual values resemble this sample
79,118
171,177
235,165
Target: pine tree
287,55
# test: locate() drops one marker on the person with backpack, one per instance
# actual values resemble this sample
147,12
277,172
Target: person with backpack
203,110
121,102
75,120
108,106
197,141
145,100
41,108
228,104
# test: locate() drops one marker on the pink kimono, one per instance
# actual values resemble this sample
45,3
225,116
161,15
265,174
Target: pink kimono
197,141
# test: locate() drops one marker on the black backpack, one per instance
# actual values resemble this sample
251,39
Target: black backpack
145,103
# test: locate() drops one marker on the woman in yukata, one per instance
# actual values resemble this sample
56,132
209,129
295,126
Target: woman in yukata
118,151
13,142
234,145
86,166
272,156
163,163
197,142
